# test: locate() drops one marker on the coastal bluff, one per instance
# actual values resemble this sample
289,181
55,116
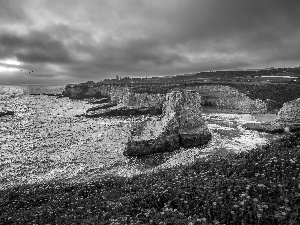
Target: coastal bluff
180,125
151,96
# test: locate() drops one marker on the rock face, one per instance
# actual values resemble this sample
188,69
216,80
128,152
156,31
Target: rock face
117,94
289,113
192,128
180,124
219,96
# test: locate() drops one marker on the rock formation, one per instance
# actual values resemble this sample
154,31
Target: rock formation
289,114
288,120
180,124
192,128
219,96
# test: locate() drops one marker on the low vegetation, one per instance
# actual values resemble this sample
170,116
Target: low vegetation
261,186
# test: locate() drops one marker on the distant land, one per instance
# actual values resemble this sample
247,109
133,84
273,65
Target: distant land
268,74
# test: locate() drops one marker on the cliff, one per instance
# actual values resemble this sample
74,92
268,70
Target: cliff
180,124
114,92
225,97
218,96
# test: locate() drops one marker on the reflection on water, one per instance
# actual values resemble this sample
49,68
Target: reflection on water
43,141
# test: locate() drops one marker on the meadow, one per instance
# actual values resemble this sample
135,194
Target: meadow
260,186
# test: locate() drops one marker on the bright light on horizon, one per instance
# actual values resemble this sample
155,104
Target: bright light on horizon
11,61
8,69
7,63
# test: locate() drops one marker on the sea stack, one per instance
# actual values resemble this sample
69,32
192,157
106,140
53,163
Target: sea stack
181,124
192,128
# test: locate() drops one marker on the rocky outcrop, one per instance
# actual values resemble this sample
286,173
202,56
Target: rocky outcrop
288,120
290,113
180,124
221,96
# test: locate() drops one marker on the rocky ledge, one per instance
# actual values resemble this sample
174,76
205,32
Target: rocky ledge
121,110
180,125
6,113
288,120
272,128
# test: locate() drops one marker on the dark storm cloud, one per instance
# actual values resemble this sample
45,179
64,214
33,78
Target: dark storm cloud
36,47
81,40
11,12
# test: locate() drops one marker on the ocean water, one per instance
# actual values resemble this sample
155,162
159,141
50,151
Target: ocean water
44,141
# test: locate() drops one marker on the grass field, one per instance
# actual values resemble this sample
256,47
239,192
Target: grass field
261,186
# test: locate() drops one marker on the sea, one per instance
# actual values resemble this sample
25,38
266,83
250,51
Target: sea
44,141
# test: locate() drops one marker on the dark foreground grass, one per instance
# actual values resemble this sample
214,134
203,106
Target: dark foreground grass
257,187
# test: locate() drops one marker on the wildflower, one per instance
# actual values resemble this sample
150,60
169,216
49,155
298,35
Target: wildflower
255,200
258,215
232,212
265,206
242,203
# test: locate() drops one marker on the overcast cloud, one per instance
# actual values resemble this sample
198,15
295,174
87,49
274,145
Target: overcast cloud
72,41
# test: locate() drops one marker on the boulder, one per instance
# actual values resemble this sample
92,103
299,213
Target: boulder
181,124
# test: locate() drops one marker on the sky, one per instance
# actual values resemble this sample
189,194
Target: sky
74,41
